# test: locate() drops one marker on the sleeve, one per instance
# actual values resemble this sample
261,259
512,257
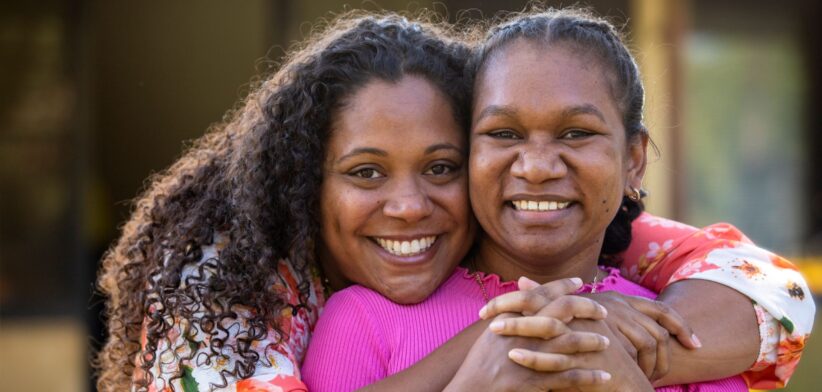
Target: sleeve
348,349
185,362
191,359
664,252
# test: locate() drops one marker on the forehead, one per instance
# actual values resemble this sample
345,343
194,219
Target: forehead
542,75
412,108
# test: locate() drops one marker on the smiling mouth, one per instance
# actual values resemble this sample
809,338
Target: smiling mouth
535,205
407,247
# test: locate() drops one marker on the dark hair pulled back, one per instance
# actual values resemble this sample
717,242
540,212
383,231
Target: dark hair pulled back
254,181
581,31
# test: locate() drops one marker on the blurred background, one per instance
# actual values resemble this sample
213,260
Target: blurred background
97,95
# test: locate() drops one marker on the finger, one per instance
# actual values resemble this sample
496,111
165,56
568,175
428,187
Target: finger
663,361
645,346
529,302
529,326
577,342
568,307
568,379
542,362
661,336
668,318
525,283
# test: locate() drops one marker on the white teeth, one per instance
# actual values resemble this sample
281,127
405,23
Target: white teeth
407,248
532,205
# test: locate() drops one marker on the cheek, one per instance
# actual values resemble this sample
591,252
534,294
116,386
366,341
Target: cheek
486,172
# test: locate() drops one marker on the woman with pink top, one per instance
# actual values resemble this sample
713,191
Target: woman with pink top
351,158
558,152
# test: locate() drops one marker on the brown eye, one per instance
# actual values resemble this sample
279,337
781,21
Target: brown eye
439,170
369,173
504,134
576,134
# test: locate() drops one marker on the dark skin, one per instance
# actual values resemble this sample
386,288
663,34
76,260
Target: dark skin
730,343
720,355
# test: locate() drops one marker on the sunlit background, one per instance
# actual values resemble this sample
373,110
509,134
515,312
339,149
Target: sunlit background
97,95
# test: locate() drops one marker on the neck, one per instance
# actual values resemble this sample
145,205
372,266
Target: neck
493,259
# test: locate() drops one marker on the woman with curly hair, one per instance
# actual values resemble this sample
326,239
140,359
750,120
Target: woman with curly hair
558,152
216,281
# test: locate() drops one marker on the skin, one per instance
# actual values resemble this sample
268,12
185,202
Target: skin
390,178
546,128
721,356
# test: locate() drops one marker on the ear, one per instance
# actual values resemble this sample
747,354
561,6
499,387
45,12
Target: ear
637,160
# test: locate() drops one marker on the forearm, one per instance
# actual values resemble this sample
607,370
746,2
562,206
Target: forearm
436,370
724,321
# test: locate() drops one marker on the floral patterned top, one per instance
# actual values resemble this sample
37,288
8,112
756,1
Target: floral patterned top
670,251
662,252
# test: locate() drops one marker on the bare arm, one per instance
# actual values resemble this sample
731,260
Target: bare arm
724,321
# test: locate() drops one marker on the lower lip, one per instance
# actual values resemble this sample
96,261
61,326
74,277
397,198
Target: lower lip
418,258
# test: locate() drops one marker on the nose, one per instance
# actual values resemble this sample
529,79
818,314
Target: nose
540,163
409,202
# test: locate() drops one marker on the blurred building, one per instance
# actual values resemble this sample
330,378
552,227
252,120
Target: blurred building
97,95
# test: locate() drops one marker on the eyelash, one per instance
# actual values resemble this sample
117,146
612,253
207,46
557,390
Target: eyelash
504,134
360,173
448,169
581,133
370,173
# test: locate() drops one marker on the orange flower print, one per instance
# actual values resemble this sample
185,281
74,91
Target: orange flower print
279,383
783,263
750,270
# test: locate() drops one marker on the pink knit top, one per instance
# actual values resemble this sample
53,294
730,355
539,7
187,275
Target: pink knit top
362,337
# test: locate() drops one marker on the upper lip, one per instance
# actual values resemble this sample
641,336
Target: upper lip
542,197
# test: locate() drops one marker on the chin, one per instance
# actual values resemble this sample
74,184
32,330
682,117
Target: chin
410,294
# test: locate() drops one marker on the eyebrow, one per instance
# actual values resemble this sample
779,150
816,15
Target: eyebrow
583,109
507,111
362,151
443,146
496,110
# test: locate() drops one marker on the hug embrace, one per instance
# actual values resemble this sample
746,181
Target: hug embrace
406,205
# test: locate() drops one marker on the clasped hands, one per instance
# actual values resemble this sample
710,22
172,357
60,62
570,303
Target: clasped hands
555,340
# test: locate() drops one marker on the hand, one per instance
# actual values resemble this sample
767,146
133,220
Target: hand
548,363
641,325
551,300
644,326
627,376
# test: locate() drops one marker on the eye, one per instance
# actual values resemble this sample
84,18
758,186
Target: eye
440,169
504,134
367,173
576,133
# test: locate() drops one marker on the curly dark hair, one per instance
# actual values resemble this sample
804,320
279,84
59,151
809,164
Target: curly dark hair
580,29
254,181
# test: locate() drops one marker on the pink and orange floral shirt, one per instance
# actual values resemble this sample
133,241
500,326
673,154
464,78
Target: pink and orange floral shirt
665,251
662,252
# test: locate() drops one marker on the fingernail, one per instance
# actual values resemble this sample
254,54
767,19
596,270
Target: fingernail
604,310
482,312
696,341
516,355
605,376
576,281
606,341
496,326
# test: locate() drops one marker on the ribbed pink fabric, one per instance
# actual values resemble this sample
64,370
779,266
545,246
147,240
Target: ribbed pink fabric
362,337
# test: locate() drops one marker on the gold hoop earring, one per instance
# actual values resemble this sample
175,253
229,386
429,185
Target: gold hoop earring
635,194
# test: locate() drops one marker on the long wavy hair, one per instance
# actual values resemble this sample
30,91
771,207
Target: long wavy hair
254,180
